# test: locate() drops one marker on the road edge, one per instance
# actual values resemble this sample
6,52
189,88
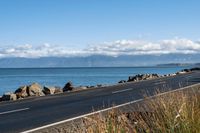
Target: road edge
107,109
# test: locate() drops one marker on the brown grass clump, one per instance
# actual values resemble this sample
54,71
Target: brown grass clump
177,112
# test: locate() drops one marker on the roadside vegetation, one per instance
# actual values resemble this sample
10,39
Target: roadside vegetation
177,112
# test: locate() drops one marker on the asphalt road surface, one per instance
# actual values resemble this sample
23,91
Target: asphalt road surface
22,115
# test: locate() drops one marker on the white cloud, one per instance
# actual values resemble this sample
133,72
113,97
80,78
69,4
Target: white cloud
137,47
116,48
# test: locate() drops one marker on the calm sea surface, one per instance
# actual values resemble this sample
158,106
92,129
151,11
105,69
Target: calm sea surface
11,79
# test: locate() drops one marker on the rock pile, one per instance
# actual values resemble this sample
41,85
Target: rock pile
9,96
52,90
192,69
140,77
36,89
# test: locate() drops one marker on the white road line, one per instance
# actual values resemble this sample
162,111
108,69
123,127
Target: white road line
129,89
160,83
118,106
81,116
13,111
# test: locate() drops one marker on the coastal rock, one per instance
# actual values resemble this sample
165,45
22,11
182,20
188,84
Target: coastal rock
81,88
87,86
49,90
182,72
58,90
155,75
92,86
9,96
142,77
122,81
136,78
52,90
173,74
99,85
35,90
186,70
68,87
195,69
21,92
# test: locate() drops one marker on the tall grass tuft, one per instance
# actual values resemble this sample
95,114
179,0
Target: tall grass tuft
177,112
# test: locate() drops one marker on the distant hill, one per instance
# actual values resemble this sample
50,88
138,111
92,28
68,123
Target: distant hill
197,64
176,64
100,61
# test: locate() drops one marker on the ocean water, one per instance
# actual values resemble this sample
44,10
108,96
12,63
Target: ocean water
12,78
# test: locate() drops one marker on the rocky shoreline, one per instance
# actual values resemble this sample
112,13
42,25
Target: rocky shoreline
36,90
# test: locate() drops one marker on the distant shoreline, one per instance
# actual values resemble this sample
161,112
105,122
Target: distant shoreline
157,66
36,89
85,76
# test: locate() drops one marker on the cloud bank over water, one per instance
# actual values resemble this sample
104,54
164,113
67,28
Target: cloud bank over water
115,48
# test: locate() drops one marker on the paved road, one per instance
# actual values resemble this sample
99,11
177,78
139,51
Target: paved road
31,113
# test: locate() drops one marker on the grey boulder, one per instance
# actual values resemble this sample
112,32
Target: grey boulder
52,90
49,90
9,96
68,87
35,90
122,81
58,90
22,92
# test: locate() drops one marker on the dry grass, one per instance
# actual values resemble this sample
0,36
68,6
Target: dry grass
172,113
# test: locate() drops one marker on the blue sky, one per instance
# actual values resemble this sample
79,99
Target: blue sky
79,23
